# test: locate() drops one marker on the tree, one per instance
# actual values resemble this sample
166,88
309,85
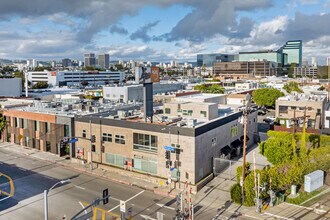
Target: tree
84,83
214,88
40,85
291,69
292,87
266,96
42,68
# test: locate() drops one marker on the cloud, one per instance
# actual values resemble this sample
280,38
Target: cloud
119,30
309,2
142,32
215,17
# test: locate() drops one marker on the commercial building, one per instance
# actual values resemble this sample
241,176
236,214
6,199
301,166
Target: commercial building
269,55
315,106
130,93
310,71
104,61
293,49
11,87
37,125
199,132
66,62
208,60
89,59
245,70
66,78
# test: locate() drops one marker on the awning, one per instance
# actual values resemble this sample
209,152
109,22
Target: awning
242,138
236,144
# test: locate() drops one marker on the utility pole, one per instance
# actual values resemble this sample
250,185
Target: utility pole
245,114
293,135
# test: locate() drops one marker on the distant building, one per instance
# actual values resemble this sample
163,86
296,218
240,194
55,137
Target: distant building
66,62
90,59
267,55
294,51
309,71
208,60
328,61
245,70
314,62
104,60
66,78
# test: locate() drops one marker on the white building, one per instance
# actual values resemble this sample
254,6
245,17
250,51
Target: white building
135,92
69,78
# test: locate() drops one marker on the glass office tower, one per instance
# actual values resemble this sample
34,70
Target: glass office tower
209,59
294,51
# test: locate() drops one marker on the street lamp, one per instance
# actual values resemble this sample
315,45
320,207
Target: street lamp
46,195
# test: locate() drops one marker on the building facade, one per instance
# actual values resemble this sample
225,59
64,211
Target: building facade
305,71
244,70
104,61
208,60
139,146
269,55
293,49
11,87
89,59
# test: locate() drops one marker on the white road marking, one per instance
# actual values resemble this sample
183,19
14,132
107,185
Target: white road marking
4,198
277,216
80,187
49,177
308,208
22,169
83,207
110,210
147,217
165,206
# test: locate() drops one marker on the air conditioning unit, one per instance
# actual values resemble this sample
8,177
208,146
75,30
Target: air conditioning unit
192,123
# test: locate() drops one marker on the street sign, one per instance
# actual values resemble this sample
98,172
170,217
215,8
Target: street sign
169,148
73,140
130,211
122,206
172,168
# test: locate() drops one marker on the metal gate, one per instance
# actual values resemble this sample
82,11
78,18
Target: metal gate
225,168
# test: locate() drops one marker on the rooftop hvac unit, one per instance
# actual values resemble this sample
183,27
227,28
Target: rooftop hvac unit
192,123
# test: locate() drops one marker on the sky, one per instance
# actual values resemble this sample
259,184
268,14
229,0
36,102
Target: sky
160,30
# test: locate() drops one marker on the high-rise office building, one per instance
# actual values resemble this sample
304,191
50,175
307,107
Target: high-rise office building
89,59
314,62
209,59
66,62
328,61
104,60
294,51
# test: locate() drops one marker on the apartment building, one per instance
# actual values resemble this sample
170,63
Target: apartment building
295,105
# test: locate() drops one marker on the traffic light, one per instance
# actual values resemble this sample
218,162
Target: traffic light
63,143
167,155
168,164
93,138
105,196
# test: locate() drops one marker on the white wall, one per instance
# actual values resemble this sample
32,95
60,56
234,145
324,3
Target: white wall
11,87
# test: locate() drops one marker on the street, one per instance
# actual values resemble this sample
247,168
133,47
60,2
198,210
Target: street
31,177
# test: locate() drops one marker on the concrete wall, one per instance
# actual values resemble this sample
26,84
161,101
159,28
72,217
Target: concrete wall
11,87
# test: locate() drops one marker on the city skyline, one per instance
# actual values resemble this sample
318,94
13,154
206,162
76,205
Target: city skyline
160,31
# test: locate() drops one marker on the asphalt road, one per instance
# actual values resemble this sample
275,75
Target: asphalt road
31,177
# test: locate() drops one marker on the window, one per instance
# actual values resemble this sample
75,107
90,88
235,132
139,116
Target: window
310,109
83,133
36,125
283,109
203,114
234,131
48,146
119,139
145,142
114,159
187,112
147,165
93,148
25,122
167,111
66,131
16,122
293,107
47,127
106,137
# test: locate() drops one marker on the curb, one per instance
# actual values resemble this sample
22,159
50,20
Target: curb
61,163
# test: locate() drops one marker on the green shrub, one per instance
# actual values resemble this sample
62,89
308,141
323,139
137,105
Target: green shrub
236,193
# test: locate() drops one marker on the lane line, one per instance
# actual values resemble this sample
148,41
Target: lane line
165,206
80,187
4,198
110,210
83,206
277,216
304,207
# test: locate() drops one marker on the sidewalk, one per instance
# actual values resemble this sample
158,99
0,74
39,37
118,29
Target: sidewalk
114,174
